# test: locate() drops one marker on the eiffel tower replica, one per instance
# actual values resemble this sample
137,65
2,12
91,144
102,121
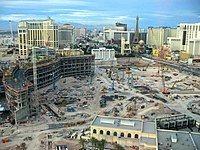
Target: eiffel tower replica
135,42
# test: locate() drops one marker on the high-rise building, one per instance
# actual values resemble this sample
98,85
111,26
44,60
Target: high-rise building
118,24
187,39
66,35
157,37
36,33
80,32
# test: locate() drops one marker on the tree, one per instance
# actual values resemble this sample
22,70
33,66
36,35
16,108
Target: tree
118,147
94,142
82,142
23,146
101,144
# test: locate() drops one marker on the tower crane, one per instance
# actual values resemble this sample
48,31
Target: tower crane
12,38
164,89
47,46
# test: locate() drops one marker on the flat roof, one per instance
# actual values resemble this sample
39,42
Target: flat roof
185,140
148,140
123,123
149,127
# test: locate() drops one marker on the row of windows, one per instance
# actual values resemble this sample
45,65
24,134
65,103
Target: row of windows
193,27
115,134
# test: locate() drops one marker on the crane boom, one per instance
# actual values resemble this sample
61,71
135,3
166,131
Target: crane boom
11,31
12,38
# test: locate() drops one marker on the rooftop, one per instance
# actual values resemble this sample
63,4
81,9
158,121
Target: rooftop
148,141
127,124
184,140
149,127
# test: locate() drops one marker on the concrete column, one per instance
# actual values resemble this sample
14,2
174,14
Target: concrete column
194,46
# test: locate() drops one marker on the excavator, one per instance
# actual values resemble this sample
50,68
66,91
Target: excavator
172,86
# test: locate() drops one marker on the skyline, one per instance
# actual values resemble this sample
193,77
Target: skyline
97,13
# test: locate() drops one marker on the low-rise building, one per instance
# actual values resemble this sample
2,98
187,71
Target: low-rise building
126,132
178,132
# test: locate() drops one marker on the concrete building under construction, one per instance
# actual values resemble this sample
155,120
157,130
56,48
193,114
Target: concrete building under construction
19,80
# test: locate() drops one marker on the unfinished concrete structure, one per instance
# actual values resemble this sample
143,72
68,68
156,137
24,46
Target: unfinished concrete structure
19,81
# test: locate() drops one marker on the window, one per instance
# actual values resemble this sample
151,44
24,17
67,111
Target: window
108,133
136,136
115,134
94,131
129,135
122,134
101,131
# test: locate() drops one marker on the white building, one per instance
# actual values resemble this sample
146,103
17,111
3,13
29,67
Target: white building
103,54
187,39
157,37
175,43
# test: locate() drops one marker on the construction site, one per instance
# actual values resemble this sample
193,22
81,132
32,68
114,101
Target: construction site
68,101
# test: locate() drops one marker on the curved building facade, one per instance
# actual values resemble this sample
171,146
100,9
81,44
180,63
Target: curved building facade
19,86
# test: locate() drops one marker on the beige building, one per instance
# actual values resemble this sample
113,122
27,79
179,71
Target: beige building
126,132
157,37
36,33
66,35
187,39
70,52
80,32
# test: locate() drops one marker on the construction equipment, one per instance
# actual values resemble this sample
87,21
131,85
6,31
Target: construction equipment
172,86
161,55
5,140
164,89
145,68
12,38
47,46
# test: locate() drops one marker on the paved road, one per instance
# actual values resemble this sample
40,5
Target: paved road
179,66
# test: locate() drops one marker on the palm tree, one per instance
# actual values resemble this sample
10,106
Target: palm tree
101,144
23,146
118,147
82,142
93,141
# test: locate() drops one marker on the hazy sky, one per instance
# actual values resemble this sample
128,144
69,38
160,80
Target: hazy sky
97,12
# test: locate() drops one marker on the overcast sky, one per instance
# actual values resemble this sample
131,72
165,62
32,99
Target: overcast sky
97,12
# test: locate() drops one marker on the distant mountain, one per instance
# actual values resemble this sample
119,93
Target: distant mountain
89,27
4,25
